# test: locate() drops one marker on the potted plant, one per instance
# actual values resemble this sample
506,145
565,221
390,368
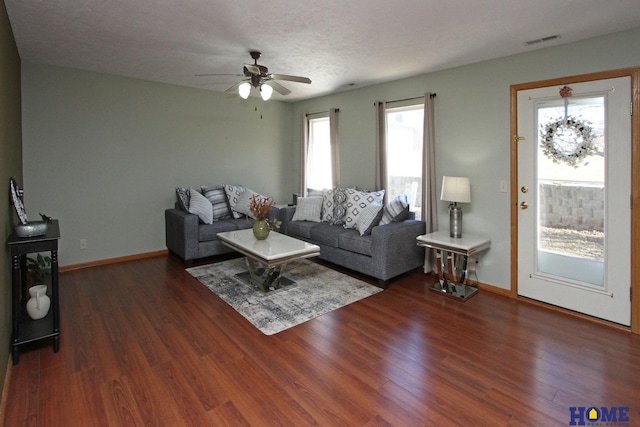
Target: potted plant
39,269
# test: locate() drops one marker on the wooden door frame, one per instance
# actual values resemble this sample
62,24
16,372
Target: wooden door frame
634,74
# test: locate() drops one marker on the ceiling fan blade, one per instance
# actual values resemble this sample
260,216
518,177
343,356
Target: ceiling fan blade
278,87
290,78
207,75
234,88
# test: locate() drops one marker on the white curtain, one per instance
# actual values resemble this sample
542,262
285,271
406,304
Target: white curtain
429,191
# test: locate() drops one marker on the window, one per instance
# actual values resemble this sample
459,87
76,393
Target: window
404,154
321,153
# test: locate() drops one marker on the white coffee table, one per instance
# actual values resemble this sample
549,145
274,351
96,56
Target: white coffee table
266,258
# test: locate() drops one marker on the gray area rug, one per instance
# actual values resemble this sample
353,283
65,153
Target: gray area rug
318,290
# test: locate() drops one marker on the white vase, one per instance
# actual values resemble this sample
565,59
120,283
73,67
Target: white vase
39,303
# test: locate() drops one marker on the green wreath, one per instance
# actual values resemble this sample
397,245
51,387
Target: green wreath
568,140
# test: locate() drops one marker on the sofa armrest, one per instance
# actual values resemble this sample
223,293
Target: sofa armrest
274,213
394,247
285,215
181,233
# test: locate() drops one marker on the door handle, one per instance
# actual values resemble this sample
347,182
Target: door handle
524,205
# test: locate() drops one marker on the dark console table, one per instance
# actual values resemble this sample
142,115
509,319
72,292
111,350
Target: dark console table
26,330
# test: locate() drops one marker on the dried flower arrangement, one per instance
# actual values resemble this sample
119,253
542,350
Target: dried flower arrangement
260,207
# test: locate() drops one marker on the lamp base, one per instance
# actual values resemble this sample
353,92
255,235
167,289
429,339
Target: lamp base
455,221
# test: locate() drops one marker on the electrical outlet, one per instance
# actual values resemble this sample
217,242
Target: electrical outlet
503,186
83,243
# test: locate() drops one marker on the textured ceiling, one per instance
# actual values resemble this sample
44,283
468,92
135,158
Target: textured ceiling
338,44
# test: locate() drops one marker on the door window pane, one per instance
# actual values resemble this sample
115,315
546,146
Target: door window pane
571,197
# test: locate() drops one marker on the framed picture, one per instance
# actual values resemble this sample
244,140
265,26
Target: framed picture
17,201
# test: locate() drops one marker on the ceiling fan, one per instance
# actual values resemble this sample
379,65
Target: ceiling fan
258,76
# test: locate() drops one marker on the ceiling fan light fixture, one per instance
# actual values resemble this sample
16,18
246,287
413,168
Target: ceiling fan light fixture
265,91
244,90
258,76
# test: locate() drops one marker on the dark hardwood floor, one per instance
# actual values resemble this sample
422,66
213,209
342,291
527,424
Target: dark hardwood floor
143,343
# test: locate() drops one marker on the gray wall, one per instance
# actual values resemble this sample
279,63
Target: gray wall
10,165
103,154
472,128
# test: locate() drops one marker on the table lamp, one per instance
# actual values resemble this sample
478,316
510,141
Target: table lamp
457,190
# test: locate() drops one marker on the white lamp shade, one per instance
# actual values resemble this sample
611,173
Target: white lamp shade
265,92
244,90
456,189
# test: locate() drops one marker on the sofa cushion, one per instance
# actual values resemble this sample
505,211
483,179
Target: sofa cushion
308,209
326,234
199,205
208,232
352,241
218,198
396,210
357,201
301,229
241,223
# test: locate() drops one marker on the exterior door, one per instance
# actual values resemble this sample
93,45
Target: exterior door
574,197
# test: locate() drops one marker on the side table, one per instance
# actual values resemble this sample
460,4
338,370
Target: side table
464,247
26,330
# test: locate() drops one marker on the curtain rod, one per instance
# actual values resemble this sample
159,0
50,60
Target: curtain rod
433,95
321,112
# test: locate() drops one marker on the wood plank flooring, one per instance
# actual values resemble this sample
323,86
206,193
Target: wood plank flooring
145,344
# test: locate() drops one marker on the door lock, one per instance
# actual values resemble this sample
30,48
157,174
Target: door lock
524,189
524,205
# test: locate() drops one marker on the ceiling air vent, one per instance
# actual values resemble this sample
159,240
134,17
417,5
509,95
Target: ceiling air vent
542,40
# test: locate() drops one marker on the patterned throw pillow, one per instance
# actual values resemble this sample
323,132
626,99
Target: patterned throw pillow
327,205
334,205
199,205
233,192
368,218
218,198
357,201
308,209
182,195
244,202
396,210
